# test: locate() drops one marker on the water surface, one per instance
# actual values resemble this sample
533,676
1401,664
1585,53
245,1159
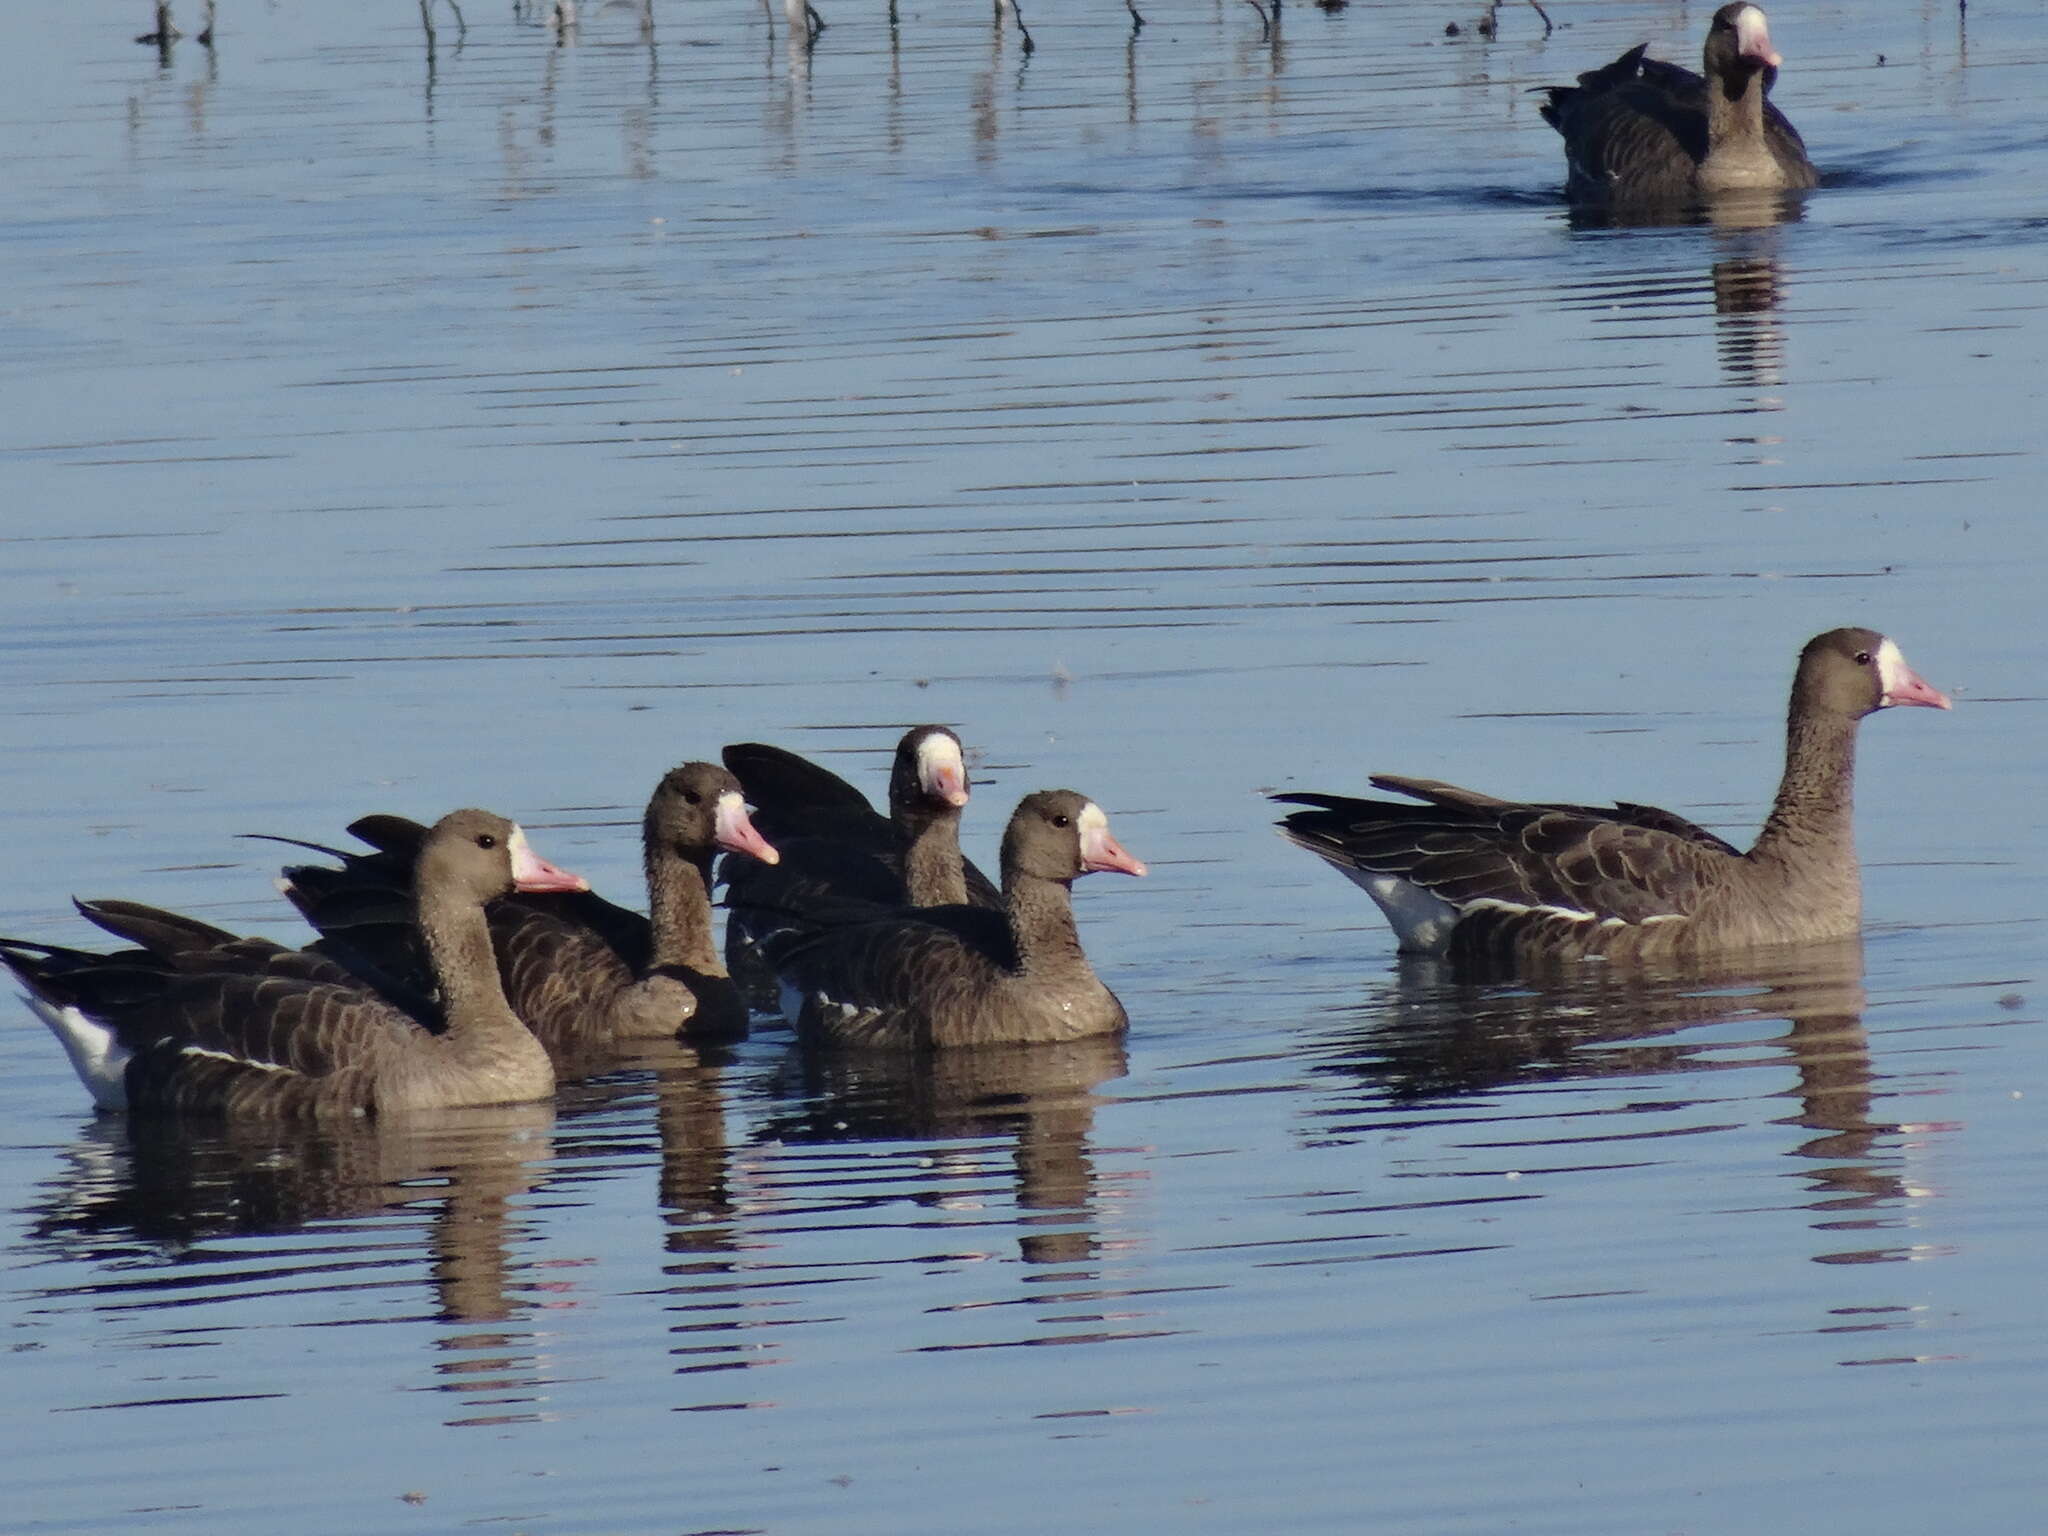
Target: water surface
1182,418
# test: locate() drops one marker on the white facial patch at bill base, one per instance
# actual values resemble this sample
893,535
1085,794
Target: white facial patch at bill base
1893,675
524,865
1753,35
941,769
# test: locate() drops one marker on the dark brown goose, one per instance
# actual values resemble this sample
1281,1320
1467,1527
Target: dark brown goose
1646,133
934,977
582,972
835,847
1504,884
201,1021
912,855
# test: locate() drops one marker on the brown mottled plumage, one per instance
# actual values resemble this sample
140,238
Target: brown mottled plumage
582,972
200,1021
1645,133
1504,884
958,975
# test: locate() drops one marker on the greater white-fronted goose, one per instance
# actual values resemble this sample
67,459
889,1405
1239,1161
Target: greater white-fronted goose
836,847
1645,133
824,824
582,972
201,1021
1499,883
932,977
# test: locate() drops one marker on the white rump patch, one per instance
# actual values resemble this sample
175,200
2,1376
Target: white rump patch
1421,920
97,1054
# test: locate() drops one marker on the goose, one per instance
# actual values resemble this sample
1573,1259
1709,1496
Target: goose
1640,131
938,977
581,972
200,1021
836,847
911,855
1502,883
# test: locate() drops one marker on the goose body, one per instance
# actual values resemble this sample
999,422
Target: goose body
198,1020
581,972
957,975
837,848
1503,883
1646,133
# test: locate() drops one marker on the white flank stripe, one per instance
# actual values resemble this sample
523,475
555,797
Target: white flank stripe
240,1061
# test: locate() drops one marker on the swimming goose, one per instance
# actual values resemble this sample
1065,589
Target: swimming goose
582,972
911,855
1504,884
959,975
836,847
201,1021
1640,131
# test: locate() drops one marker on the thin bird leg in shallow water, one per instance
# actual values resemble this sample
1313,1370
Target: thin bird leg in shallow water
1022,31
1491,23
166,33
813,22
1137,21
795,10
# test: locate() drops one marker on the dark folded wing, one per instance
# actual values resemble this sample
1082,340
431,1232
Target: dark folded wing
1638,122
1452,797
186,944
793,797
1569,859
559,976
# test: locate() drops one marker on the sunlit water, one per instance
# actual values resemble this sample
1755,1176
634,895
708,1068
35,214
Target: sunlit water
1182,417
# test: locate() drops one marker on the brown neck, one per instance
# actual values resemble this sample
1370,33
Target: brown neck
1812,817
1042,924
458,940
679,911
1735,108
932,872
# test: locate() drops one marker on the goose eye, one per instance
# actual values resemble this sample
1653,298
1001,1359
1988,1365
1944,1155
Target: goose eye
1063,821
485,840
1863,658
692,797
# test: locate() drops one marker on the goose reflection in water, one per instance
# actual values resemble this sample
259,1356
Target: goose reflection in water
148,1197
1431,1037
688,1086
1041,1097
